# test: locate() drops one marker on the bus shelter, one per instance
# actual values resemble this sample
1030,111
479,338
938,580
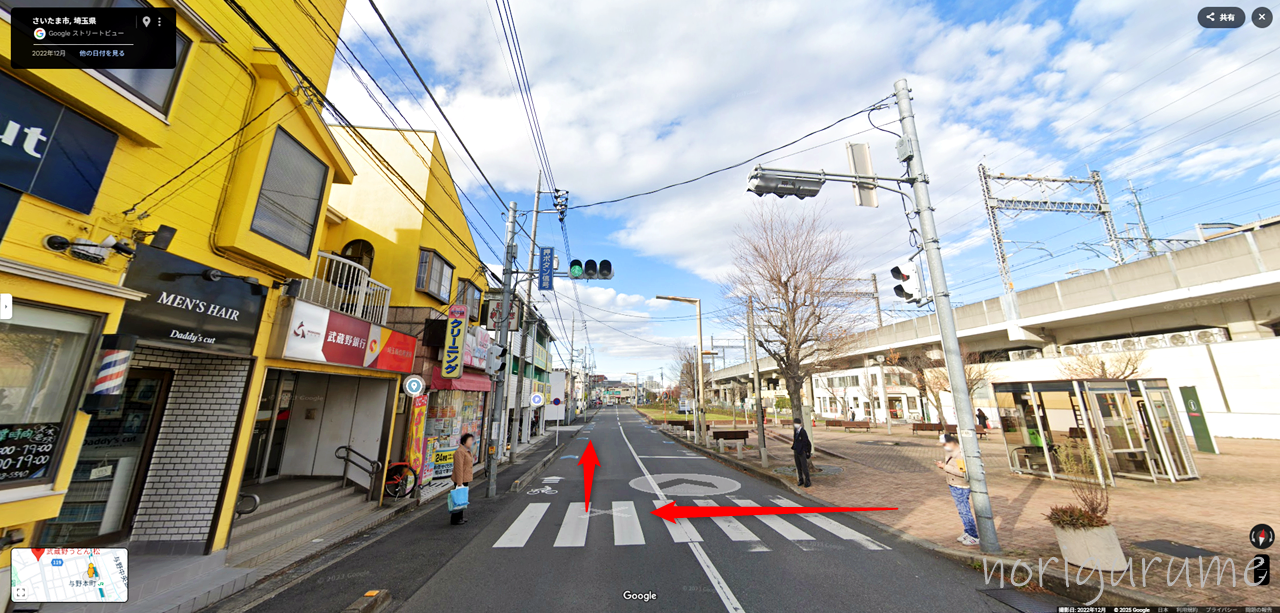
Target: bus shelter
1131,428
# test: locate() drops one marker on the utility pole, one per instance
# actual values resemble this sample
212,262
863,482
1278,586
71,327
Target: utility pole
498,406
875,292
947,319
528,315
755,373
1142,222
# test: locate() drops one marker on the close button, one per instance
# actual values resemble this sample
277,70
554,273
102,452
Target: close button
1262,17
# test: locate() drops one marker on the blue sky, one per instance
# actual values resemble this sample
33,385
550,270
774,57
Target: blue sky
634,96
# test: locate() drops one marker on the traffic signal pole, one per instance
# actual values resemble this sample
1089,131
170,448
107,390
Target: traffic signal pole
498,408
527,315
946,324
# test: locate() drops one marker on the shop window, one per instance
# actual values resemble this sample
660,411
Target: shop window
469,294
360,252
41,350
289,202
155,86
435,275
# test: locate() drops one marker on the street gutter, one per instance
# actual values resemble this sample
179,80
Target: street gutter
1114,596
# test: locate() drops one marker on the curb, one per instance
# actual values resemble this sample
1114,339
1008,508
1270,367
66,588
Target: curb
1111,595
537,468
371,602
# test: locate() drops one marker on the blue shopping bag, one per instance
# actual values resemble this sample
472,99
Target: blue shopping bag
458,498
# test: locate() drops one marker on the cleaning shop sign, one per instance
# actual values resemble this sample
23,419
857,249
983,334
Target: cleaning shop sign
185,309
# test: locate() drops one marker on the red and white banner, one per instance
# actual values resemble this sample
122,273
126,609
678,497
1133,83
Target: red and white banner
317,334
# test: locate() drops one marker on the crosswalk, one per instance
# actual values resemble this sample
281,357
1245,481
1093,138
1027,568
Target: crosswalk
630,530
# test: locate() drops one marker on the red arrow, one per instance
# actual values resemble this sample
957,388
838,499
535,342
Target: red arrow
588,464
671,512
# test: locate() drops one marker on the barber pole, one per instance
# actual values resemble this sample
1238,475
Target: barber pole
113,366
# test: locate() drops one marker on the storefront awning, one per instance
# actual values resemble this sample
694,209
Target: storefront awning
470,382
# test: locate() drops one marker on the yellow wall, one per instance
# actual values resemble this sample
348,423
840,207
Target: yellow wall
222,85
395,222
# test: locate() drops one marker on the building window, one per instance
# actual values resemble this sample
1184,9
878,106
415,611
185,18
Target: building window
154,86
41,353
469,294
435,275
360,252
292,188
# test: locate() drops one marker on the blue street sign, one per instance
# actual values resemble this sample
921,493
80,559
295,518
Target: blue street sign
546,267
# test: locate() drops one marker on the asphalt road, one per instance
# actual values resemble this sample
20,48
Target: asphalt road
534,552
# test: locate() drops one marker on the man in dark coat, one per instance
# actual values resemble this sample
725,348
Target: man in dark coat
803,449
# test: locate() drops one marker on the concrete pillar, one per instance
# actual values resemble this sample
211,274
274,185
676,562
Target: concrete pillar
1241,323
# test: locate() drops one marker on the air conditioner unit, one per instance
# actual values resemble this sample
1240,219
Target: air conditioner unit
1015,356
1087,348
1109,346
1071,350
1031,354
1212,335
1131,344
1154,342
1180,339
1050,351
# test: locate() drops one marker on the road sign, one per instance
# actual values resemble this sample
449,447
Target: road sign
546,267
536,399
414,385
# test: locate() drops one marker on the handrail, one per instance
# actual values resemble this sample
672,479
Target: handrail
374,470
256,501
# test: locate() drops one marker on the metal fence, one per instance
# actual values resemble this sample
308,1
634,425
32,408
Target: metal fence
344,286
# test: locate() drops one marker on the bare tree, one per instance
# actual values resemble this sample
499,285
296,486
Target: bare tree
836,392
917,363
683,369
799,272
930,375
1123,365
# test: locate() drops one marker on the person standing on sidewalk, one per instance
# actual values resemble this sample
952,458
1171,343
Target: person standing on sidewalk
982,419
462,474
803,448
959,485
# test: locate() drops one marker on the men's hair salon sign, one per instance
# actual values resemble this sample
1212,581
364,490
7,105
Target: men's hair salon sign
185,309
316,334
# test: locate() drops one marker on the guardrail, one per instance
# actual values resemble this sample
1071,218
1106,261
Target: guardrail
374,468
344,286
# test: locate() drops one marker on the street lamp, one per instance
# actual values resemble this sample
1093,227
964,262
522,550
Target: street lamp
635,394
697,394
802,183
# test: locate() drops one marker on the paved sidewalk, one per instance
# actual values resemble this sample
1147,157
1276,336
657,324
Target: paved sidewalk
1235,492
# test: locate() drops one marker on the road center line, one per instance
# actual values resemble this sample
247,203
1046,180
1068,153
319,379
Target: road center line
726,595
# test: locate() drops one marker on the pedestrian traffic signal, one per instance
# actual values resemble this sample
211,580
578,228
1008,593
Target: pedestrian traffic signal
590,269
908,275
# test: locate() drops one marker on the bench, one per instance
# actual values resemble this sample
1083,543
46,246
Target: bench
857,424
730,437
978,430
835,423
925,427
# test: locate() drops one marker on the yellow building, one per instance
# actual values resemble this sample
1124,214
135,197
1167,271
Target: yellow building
149,222
412,235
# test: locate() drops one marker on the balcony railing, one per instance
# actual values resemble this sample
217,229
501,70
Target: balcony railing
344,286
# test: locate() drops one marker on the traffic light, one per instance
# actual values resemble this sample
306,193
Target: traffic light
909,275
764,182
590,269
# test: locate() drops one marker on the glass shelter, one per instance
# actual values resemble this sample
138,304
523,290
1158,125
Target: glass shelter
1131,427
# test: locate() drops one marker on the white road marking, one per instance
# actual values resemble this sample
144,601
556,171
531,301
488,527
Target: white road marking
672,457
626,525
782,527
834,527
520,530
733,528
682,531
730,601
573,532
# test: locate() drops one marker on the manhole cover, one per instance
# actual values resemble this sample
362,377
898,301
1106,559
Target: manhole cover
817,470
891,443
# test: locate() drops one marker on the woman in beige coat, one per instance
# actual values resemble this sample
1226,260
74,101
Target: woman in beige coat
462,461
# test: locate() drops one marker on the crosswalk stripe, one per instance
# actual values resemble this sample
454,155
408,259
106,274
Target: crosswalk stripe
832,526
682,531
520,530
573,532
626,524
779,525
733,528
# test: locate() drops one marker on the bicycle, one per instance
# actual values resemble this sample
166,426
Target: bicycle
401,480
541,490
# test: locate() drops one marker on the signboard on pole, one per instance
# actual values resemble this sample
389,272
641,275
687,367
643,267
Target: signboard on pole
546,267
417,453
455,336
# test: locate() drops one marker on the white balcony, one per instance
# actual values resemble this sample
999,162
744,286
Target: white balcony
344,286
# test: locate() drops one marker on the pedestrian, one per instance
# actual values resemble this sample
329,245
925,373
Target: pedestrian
462,461
803,449
959,485
982,419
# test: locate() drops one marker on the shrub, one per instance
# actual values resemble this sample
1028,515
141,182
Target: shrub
1075,517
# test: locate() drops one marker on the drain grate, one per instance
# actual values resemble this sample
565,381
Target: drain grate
1029,602
1176,549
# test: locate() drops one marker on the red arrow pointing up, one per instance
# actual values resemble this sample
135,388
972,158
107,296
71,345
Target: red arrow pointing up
671,512
588,464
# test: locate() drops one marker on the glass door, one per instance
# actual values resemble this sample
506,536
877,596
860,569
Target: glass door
108,478
269,427
1162,414
1121,434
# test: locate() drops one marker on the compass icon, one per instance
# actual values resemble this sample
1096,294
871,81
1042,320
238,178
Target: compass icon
1262,536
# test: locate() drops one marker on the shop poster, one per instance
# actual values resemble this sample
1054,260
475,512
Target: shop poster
417,433
442,460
